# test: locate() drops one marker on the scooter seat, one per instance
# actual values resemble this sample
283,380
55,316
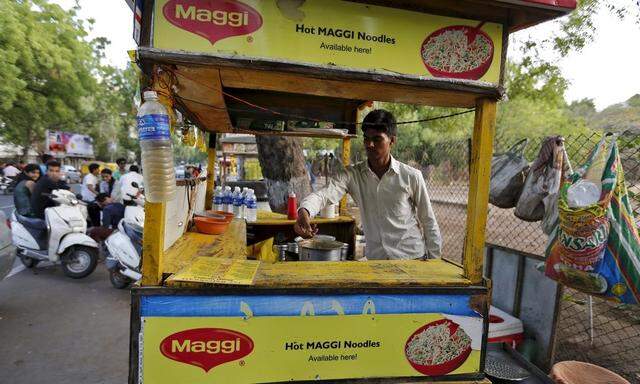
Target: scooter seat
31,222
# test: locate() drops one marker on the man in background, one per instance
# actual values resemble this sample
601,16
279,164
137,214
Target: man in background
122,168
90,183
108,181
10,170
112,213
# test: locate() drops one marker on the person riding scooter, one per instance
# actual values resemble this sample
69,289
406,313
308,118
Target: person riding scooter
51,180
60,237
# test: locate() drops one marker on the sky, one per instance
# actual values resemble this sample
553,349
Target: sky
606,71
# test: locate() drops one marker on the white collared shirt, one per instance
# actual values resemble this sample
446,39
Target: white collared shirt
396,213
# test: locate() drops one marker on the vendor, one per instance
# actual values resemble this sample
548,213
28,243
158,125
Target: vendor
396,213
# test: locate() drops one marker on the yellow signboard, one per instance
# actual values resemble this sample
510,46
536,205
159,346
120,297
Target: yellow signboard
200,350
333,33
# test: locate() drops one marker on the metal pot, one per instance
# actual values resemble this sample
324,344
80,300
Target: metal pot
320,250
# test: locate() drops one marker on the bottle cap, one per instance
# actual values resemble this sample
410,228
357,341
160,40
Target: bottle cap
148,95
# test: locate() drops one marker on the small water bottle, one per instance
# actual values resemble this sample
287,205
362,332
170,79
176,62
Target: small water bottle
237,203
227,200
156,150
217,199
243,209
251,211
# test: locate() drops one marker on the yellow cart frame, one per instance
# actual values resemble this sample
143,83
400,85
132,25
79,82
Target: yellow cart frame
201,81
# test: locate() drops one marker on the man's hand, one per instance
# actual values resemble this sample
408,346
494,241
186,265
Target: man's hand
303,226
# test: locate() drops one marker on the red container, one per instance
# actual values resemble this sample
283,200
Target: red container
292,207
444,368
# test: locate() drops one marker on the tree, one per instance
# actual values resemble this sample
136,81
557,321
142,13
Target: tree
46,70
283,168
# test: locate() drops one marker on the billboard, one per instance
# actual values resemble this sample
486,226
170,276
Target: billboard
67,144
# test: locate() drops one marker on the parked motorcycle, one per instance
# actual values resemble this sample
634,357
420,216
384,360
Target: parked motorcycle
60,238
124,246
7,185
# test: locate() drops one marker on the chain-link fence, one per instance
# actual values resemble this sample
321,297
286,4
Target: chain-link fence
596,331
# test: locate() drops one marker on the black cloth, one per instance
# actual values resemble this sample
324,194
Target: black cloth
39,202
112,214
93,211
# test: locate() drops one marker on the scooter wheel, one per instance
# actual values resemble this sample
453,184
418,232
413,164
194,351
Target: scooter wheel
79,261
118,280
27,261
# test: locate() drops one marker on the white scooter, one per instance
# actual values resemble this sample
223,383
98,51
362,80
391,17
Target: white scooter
124,246
60,237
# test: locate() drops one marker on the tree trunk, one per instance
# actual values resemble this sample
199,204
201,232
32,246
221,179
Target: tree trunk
283,168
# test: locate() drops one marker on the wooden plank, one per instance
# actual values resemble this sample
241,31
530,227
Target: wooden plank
478,199
347,89
319,134
230,245
153,243
348,274
199,89
211,171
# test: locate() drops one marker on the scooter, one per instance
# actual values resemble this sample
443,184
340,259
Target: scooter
7,185
60,238
124,246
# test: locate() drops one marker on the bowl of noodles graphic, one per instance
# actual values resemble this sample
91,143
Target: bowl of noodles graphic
457,51
438,348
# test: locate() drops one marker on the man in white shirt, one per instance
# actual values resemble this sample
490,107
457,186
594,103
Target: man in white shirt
396,212
11,171
90,183
127,179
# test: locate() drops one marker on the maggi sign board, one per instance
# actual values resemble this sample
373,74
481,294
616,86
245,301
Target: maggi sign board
333,33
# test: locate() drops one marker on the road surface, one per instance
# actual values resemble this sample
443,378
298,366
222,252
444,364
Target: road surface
57,330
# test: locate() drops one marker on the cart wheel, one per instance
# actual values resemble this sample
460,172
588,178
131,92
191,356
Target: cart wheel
118,280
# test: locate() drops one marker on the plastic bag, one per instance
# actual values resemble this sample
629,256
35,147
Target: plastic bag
543,180
508,173
596,248
550,219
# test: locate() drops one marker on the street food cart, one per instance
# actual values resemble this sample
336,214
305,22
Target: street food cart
202,312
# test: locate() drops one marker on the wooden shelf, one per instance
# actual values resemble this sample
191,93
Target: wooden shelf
248,154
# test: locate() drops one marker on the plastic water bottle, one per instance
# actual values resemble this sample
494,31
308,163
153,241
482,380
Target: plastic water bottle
251,210
217,199
227,200
245,191
157,151
237,203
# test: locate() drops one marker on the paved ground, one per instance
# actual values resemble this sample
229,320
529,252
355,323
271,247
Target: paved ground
57,330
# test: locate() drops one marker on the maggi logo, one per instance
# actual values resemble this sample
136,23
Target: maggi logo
213,19
206,347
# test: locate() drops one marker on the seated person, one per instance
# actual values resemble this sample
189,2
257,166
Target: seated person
47,183
26,182
108,181
112,213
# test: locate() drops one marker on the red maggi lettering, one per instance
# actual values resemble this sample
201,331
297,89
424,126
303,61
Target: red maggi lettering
206,347
213,19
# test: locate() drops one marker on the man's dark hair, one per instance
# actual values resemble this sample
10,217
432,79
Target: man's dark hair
93,167
53,163
121,160
106,171
382,121
101,197
134,168
45,158
31,167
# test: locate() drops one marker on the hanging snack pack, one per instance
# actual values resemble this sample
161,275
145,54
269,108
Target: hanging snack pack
595,246
508,173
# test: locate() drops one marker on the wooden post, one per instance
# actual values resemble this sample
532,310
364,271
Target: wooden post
346,159
153,243
211,171
478,199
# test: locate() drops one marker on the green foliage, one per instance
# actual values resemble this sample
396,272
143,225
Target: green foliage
51,78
